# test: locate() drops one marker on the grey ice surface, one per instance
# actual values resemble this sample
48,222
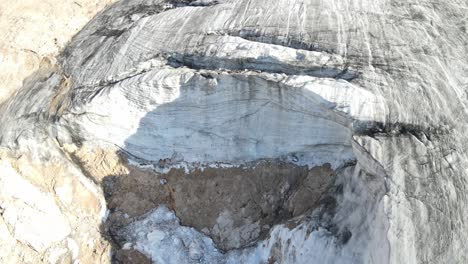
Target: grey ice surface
378,89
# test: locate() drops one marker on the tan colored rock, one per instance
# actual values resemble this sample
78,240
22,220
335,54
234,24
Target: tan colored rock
33,30
34,216
97,162
234,206
49,211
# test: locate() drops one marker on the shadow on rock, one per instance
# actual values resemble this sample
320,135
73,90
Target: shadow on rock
234,206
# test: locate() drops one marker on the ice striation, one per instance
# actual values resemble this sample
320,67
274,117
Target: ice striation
244,131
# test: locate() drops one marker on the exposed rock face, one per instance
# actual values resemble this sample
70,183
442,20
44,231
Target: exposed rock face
234,206
244,131
34,32
50,212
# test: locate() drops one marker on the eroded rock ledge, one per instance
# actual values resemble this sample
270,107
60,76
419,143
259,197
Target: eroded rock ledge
233,206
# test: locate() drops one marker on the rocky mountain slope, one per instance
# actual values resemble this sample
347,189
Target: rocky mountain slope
34,32
243,131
